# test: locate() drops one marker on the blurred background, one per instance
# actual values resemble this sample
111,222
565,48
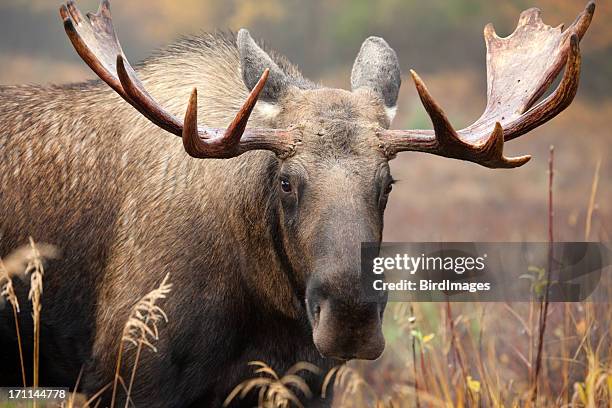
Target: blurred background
436,199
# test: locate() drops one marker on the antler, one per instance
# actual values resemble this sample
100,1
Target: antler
93,37
520,68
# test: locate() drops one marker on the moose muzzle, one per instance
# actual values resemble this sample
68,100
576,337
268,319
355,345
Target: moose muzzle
345,329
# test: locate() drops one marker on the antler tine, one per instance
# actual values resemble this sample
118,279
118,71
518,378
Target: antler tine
95,40
583,21
236,139
238,125
520,68
221,145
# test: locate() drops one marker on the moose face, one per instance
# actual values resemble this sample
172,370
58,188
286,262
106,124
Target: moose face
332,193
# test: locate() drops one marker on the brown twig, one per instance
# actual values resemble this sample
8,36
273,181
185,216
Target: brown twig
414,361
545,303
455,347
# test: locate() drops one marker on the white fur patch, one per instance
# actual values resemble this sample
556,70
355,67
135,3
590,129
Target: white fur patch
391,111
268,110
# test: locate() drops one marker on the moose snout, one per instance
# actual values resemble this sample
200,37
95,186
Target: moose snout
346,330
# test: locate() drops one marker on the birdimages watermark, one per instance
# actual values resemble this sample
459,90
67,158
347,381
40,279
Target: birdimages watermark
487,272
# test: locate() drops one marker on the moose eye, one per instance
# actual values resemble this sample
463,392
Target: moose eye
389,188
285,185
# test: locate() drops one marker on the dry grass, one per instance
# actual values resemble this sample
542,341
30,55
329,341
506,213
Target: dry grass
8,292
275,391
23,262
36,271
493,378
439,355
141,330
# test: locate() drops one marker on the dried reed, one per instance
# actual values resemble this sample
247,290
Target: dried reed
141,330
8,292
35,269
275,391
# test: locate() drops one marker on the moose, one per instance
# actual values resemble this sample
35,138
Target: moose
262,235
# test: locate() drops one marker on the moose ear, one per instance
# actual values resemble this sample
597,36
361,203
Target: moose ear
254,61
377,68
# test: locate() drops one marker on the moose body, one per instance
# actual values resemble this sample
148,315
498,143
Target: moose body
261,240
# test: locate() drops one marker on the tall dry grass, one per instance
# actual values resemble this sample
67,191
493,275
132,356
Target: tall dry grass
8,292
36,271
275,391
26,261
140,330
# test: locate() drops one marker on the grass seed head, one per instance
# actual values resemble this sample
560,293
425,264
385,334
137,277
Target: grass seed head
141,326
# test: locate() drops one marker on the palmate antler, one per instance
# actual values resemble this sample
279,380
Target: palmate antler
520,68
94,38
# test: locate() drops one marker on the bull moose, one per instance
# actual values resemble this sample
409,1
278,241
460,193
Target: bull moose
262,235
